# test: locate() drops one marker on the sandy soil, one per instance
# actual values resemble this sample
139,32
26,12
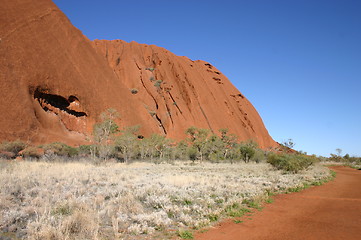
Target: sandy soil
331,211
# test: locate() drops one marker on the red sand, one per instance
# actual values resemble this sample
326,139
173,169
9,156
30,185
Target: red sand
331,211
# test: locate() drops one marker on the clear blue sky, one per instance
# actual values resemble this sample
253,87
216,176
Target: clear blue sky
297,61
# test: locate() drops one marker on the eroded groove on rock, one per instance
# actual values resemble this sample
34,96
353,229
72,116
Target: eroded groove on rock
205,116
175,103
169,112
150,94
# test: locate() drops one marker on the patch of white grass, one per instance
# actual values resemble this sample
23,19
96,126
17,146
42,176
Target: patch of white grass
83,201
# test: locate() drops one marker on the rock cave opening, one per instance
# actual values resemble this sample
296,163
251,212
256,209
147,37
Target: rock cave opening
72,98
48,101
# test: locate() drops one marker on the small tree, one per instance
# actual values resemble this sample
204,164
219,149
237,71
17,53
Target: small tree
198,139
192,153
181,150
247,151
103,131
127,143
230,141
339,151
145,149
159,144
215,148
288,144
191,132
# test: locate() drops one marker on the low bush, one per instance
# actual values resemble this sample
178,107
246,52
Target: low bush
134,91
86,150
13,147
247,152
32,152
236,210
185,234
150,69
158,83
60,149
290,162
354,162
152,113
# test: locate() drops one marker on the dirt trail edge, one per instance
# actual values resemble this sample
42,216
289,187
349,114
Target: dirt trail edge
331,211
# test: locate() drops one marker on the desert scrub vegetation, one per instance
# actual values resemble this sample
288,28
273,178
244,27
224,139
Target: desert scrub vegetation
11,149
347,160
74,200
134,90
291,162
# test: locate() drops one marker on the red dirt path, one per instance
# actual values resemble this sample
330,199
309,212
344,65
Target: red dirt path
331,211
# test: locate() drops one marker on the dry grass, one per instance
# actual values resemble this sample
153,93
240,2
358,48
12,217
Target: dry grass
41,200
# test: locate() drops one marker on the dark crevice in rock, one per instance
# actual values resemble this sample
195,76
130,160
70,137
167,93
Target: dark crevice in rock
240,95
139,68
72,98
208,65
117,61
161,124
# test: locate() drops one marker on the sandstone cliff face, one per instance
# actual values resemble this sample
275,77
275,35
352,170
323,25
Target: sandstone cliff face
55,83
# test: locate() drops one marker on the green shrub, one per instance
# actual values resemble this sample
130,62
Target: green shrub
32,152
13,147
247,152
134,91
85,149
259,156
152,113
60,149
158,83
236,210
213,217
290,162
251,204
192,153
185,234
150,69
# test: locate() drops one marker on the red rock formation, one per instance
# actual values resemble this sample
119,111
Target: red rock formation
181,92
47,67
55,82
